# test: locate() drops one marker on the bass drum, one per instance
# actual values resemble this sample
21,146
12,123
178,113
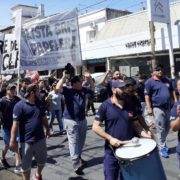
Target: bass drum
141,162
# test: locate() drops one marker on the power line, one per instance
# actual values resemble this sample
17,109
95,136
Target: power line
93,5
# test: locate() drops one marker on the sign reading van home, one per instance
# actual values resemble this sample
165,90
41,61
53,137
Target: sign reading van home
50,43
159,11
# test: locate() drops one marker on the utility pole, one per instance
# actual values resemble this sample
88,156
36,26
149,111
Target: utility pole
153,56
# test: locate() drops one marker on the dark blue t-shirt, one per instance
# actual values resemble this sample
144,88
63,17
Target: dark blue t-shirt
75,101
173,117
6,108
159,91
30,118
117,121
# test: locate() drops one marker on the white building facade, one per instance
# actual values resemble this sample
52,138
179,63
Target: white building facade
125,43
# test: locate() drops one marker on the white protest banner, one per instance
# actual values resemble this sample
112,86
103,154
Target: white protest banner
50,43
159,11
10,55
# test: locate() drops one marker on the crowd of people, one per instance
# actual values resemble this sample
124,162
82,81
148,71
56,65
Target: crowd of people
133,108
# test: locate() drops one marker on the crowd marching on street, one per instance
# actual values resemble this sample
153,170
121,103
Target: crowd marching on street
134,109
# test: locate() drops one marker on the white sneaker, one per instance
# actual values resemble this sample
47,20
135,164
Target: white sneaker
18,169
51,132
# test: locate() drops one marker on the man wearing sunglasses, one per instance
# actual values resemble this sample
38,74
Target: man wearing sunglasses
159,95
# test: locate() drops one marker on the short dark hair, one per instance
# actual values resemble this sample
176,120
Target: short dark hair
130,81
75,79
31,88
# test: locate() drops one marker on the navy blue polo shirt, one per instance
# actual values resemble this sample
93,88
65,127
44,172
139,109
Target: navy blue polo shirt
75,101
173,117
30,118
117,121
6,108
159,91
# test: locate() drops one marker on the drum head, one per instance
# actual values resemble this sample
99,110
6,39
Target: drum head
132,152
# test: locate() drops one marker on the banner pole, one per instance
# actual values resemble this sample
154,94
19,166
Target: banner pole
79,42
18,27
1,60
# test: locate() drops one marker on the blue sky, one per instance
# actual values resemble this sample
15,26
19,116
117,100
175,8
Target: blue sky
55,6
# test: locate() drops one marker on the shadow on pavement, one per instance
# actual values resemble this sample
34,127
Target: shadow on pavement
77,178
94,162
55,147
172,150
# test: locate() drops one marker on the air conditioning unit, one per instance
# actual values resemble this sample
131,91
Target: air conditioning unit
93,25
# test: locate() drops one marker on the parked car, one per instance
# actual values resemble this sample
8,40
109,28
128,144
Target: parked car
100,93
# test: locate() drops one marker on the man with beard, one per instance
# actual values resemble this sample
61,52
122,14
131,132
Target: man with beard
116,76
175,121
119,127
29,117
159,95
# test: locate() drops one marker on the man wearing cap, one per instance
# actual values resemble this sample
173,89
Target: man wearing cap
24,83
7,104
29,117
159,94
175,121
74,118
119,127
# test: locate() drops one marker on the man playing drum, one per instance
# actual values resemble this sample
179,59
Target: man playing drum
175,120
118,128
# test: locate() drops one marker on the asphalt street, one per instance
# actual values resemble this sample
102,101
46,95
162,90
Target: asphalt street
59,166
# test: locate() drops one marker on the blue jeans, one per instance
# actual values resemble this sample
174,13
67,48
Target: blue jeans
162,119
58,115
6,135
112,169
76,133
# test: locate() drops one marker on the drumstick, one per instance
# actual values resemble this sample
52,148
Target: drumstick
134,141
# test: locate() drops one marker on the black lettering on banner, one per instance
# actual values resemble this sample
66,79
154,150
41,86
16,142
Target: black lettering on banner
38,32
33,48
13,46
45,45
39,48
5,62
1,46
10,60
60,42
62,28
51,45
5,46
